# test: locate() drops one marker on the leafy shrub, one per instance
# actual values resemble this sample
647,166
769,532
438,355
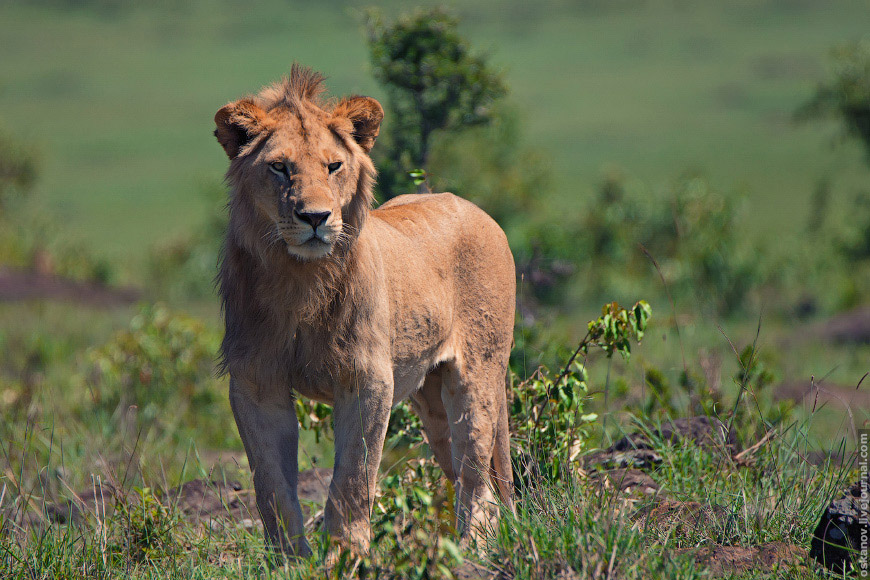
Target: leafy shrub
547,416
847,94
162,368
413,521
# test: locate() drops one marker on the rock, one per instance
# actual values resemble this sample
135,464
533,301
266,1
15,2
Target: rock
636,449
628,481
837,538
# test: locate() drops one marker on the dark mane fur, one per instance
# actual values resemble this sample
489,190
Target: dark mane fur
271,299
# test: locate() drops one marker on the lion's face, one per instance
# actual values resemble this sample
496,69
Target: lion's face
304,180
298,166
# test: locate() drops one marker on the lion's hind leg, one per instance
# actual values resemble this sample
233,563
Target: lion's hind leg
473,406
429,407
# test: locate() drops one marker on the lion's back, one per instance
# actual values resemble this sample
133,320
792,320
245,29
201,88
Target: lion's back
440,249
443,227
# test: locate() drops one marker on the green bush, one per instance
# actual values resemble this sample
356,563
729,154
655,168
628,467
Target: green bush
161,371
846,95
548,422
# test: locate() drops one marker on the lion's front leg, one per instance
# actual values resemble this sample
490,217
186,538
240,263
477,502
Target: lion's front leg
270,433
361,415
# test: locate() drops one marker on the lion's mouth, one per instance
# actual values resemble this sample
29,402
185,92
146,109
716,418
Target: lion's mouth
310,247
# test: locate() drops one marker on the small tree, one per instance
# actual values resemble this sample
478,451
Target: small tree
433,82
847,95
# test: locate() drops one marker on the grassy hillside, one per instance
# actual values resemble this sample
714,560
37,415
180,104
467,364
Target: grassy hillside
120,100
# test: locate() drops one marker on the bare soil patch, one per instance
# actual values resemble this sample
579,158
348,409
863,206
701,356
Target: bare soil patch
18,285
852,326
725,561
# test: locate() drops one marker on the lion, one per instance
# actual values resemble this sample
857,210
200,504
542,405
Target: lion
356,307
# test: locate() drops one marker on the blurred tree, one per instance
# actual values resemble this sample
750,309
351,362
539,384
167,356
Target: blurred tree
692,230
433,82
17,170
847,95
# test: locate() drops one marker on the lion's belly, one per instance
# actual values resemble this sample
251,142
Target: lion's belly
421,340
408,375
318,391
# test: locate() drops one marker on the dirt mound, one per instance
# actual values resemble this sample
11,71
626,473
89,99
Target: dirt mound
726,561
18,285
201,501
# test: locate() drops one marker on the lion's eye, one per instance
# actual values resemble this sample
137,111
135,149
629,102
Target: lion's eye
334,166
278,167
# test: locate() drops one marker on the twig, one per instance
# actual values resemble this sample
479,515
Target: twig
739,458
673,304
562,375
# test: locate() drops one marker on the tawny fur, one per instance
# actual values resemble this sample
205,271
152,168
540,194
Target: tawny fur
361,310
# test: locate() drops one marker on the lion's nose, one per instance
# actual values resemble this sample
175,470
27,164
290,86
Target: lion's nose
313,218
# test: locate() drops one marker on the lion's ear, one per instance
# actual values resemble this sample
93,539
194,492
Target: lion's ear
366,114
238,123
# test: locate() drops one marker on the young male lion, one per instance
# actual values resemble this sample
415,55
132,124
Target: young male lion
359,308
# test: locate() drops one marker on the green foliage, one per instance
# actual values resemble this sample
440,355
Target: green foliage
846,95
547,414
159,374
414,525
433,81
614,330
548,421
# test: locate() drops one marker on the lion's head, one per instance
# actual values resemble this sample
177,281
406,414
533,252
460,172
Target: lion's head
300,171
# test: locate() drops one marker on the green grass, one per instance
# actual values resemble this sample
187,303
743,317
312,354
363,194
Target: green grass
55,439
121,101
569,524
